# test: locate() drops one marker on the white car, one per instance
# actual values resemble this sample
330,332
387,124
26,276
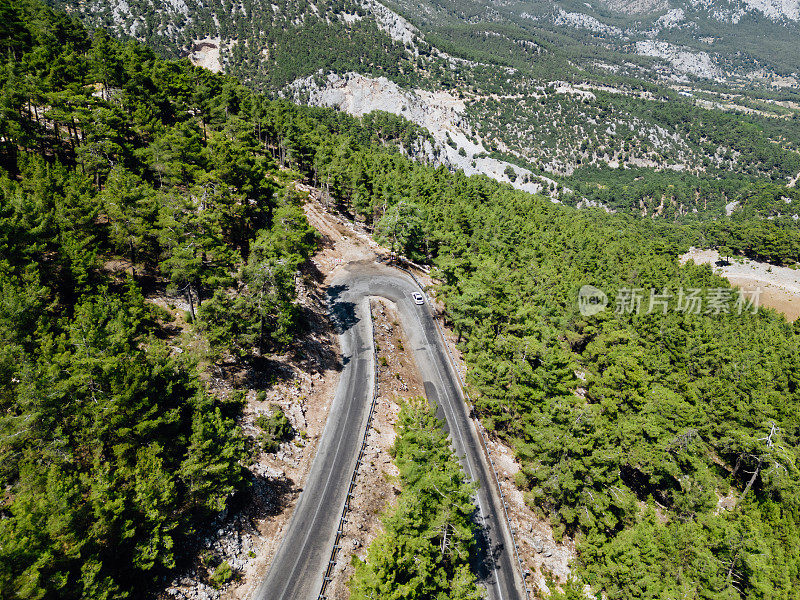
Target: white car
418,299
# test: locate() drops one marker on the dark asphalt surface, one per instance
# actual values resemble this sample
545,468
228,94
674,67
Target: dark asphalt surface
298,567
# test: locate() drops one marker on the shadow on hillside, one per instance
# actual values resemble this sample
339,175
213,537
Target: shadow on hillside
263,497
260,497
259,372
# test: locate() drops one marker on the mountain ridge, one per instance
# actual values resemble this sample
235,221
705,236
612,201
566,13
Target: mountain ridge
545,96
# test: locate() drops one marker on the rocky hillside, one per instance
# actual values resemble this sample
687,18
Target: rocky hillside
528,94
734,42
265,43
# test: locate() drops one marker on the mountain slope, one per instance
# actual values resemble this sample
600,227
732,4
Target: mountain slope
665,443
716,40
532,94
265,43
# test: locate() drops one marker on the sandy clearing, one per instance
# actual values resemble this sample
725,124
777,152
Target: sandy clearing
206,54
780,286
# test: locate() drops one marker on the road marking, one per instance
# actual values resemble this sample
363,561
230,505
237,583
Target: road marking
402,297
466,455
432,341
319,505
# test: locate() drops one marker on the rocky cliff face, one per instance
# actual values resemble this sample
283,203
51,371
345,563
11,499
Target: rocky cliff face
398,28
776,9
440,112
699,64
636,7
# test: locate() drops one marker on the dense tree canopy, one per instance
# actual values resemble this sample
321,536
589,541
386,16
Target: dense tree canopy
666,440
112,452
428,537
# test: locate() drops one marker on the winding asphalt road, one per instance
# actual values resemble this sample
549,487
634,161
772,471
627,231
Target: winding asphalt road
298,567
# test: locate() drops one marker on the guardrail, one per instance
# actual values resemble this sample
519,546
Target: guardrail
340,531
483,436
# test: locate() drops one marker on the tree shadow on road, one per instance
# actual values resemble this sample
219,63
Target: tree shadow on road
343,312
486,557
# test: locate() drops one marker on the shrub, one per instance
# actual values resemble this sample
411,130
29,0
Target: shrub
276,428
221,575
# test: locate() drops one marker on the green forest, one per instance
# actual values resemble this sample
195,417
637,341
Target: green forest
665,442
762,224
112,451
631,428
428,538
